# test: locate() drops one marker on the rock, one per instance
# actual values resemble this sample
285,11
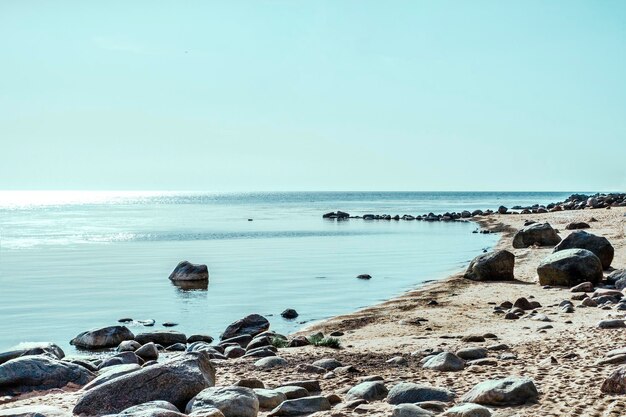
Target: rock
611,324
250,383
327,363
536,233
364,276
289,314
410,410
176,381
369,391
616,382
502,210
397,361
29,348
445,361
503,392
231,401
472,353
577,225
186,271
104,337
110,373
468,410
268,398
617,278
310,385
200,338
128,346
161,337
493,266
570,267
122,358
583,287
598,245
39,372
233,352
589,302
34,411
271,362
523,303
473,338
148,352
408,392
301,406
151,409
299,341
261,352
293,392
176,347
252,325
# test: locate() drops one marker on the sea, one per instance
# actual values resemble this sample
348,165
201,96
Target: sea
76,260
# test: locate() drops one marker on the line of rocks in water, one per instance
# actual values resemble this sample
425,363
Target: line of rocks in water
573,202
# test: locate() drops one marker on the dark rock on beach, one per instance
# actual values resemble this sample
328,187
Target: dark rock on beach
186,271
250,325
232,401
599,245
570,267
541,234
492,266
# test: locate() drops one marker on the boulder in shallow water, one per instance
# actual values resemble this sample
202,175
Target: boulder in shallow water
252,325
39,372
493,266
176,381
541,234
32,348
599,245
102,338
570,267
186,271
161,337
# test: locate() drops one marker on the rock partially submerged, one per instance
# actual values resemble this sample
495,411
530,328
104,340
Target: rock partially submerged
493,266
251,325
102,338
176,381
186,271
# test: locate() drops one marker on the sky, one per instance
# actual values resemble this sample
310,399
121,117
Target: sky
313,95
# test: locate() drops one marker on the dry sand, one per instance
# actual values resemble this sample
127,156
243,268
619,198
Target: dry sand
570,387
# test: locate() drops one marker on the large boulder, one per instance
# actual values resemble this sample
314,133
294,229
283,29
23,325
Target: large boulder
161,337
231,401
541,234
252,325
300,406
39,372
503,392
102,338
599,245
570,267
493,266
176,381
26,349
186,271
408,392
110,373
368,391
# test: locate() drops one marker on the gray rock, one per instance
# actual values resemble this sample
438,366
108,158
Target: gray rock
472,353
271,362
311,385
268,398
104,337
468,410
148,352
583,287
503,392
258,342
186,271
123,358
301,406
31,348
611,324
493,266
231,401
616,382
151,409
598,245
200,338
250,383
110,373
541,234
617,278
39,372
293,392
34,411
327,363
252,325
410,410
161,337
369,391
569,267
408,392
176,381
233,352
445,361
128,346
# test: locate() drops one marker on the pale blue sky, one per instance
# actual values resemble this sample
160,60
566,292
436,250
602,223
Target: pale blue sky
313,95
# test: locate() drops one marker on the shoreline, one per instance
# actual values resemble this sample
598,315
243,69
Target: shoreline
561,359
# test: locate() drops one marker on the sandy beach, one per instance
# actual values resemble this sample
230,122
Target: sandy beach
561,359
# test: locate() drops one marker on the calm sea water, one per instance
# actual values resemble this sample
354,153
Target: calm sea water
70,261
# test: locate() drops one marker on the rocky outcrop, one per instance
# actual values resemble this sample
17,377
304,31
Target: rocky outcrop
39,372
600,246
101,338
493,266
186,271
252,325
540,234
503,392
570,267
176,381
